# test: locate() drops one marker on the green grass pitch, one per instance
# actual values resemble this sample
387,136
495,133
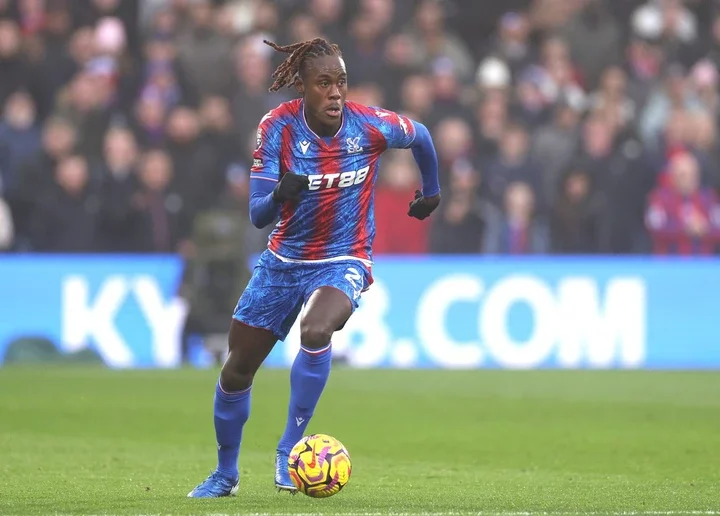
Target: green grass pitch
94,441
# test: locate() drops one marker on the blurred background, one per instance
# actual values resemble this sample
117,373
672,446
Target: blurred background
577,141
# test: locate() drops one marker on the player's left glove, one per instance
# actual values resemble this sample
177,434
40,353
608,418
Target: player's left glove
421,207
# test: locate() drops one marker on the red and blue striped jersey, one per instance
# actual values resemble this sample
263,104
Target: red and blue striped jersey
335,219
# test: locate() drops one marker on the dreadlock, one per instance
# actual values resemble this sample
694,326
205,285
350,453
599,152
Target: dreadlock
299,52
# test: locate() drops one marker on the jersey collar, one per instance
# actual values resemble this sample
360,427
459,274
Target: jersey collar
307,126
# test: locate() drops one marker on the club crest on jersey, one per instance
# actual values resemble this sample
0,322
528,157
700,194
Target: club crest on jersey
353,145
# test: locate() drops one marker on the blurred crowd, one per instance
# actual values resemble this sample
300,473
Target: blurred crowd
562,126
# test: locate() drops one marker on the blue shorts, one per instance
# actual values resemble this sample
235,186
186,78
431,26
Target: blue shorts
277,290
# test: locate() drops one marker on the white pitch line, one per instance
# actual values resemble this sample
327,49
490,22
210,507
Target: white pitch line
482,513
487,513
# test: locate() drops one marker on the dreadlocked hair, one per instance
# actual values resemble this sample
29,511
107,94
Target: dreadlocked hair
299,52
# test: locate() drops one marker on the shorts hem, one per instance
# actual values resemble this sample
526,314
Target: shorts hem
353,303
254,326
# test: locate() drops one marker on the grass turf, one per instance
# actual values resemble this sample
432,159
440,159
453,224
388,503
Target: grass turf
92,441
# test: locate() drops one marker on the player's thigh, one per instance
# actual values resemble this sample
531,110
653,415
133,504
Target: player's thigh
271,301
264,314
332,296
248,348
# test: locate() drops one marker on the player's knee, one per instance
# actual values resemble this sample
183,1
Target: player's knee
315,335
233,379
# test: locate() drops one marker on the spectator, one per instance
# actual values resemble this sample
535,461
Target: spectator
460,225
84,102
397,66
704,140
514,163
164,215
432,40
514,229
453,141
14,68
684,217
555,145
512,44
618,179
205,53
218,140
34,179
365,49
594,40
704,80
250,98
328,14
197,167
491,118
612,98
64,222
396,232
19,136
577,224
644,61
63,60
668,22
447,101
417,98
534,96
117,221
671,95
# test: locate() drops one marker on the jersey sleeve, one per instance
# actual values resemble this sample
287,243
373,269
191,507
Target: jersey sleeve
398,130
266,156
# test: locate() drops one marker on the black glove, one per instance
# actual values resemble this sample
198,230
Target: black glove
290,187
421,207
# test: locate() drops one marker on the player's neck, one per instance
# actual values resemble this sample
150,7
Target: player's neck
322,130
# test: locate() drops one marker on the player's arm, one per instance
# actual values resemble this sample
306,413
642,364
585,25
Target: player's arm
426,158
402,133
267,189
263,209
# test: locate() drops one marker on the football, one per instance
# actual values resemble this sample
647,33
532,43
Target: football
319,466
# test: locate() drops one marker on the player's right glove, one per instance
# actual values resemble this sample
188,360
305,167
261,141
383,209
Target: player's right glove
290,187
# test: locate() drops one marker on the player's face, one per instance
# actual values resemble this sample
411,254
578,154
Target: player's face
324,88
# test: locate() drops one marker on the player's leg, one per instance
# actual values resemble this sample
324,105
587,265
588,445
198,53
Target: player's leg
248,348
264,313
327,309
333,294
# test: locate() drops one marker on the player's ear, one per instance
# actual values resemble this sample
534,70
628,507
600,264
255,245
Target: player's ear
299,86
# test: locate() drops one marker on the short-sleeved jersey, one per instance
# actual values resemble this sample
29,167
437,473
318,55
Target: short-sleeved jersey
335,219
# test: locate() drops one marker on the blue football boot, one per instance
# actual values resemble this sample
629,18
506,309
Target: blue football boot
216,486
282,476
